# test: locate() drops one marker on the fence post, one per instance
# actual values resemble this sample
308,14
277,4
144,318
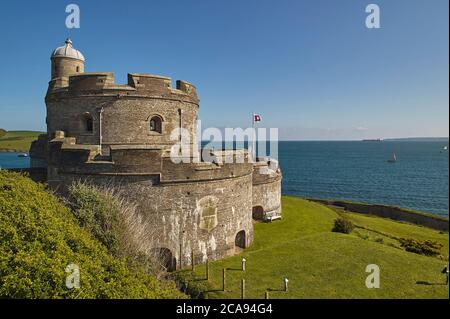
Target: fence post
193,260
207,269
243,289
224,275
266,295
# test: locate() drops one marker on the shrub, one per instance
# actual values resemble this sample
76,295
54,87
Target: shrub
190,284
111,218
427,248
342,225
2,132
98,213
39,237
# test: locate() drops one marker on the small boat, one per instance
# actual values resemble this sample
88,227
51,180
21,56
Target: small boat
445,148
393,159
23,155
373,140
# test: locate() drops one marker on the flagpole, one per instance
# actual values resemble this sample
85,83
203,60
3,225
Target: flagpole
253,137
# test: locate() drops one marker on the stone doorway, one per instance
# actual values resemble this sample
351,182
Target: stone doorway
165,259
240,241
258,213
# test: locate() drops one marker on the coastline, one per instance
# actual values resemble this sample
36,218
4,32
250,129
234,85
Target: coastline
13,151
392,212
388,211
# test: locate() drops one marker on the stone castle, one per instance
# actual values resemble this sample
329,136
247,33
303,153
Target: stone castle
104,133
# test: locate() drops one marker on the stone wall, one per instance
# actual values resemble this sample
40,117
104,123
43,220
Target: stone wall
203,217
392,212
38,152
99,132
121,113
266,191
64,67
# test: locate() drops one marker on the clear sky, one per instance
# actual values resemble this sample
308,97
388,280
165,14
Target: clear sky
309,67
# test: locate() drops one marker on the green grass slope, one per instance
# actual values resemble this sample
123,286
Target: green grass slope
39,237
323,264
390,232
19,141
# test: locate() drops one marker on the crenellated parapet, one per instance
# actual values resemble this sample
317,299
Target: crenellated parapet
82,159
122,136
138,86
266,171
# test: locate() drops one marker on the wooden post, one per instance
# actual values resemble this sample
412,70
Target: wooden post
243,289
286,284
207,269
266,295
224,275
193,260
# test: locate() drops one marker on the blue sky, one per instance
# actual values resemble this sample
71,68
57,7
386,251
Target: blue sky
309,67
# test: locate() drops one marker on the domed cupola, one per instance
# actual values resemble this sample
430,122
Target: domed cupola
67,51
66,61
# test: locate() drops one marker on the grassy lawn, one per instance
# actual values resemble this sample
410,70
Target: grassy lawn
19,141
377,228
323,264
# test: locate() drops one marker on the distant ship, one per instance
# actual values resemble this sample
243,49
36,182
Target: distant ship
393,159
23,155
373,140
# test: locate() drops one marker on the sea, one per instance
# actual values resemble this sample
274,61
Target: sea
361,171
357,171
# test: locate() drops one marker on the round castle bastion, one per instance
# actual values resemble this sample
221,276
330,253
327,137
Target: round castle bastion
120,135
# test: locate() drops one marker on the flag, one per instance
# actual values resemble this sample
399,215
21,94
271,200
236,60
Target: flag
256,118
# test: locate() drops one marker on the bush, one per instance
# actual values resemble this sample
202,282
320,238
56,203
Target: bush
98,213
190,284
427,248
39,237
2,132
342,225
112,219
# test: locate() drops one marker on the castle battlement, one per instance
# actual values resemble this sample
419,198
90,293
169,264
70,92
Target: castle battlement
122,135
139,85
72,158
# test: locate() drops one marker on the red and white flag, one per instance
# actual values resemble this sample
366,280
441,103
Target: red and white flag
256,118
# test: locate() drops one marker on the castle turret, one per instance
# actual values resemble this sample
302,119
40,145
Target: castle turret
123,135
66,61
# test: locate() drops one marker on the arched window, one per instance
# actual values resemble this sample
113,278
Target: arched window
78,69
88,122
156,124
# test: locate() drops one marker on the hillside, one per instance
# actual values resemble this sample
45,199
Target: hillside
19,141
323,264
39,238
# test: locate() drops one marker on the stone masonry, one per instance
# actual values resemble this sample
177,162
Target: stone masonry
120,134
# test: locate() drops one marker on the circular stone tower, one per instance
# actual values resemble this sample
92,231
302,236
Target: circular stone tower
66,61
123,135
